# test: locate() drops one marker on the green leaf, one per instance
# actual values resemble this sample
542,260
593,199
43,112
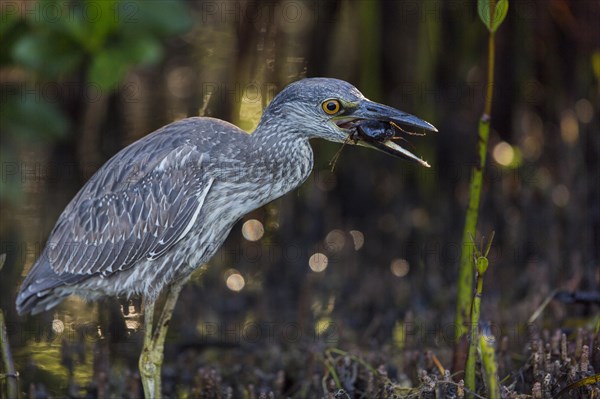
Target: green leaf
500,12
110,66
91,23
482,265
11,31
50,55
489,245
107,70
144,51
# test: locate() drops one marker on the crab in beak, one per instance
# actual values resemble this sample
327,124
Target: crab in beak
379,126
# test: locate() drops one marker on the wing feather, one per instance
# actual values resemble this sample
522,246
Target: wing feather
143,218
137,205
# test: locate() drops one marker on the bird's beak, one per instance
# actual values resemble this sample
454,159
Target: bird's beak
379,126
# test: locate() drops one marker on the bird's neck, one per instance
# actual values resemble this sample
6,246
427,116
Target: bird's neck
277,133
286,150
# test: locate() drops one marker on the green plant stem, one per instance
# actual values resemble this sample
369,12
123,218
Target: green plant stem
490,88
473,341
490,365
465,274
7,360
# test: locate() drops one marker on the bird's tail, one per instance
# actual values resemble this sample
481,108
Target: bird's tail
43,289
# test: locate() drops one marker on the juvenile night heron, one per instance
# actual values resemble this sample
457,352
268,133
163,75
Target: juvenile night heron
163,206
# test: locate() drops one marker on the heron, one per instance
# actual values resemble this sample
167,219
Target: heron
163,206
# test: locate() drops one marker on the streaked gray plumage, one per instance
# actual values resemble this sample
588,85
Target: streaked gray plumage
163,206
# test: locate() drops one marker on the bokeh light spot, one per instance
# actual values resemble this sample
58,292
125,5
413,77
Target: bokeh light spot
419,217
180,82
235,281
358,238
569,127
318,262
58,326
399,267
335,240
503,153
253,230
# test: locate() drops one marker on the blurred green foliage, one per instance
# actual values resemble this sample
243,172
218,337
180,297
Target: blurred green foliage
105,38
92,42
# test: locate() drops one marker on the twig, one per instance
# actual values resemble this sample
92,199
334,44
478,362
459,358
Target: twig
541,308
11,374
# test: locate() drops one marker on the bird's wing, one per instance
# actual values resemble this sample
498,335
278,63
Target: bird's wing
141,215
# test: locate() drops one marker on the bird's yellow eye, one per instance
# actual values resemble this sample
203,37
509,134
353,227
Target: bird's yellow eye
331,107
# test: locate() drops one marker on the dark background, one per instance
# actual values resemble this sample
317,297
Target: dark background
81,81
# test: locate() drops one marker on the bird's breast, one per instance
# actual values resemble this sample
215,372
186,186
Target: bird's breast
272,172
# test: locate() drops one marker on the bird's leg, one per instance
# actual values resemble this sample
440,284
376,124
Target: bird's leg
160,333
152,355
146,364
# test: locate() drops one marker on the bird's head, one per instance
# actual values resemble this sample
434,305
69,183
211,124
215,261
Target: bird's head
334,110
